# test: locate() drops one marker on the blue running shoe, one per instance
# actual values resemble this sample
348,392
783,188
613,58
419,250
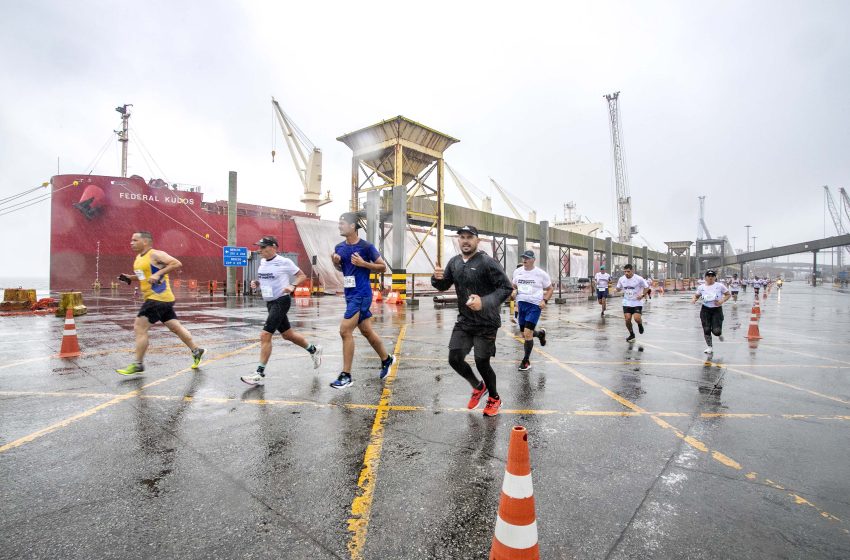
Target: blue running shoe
343,381
385,366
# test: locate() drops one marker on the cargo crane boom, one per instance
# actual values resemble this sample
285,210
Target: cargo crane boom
624,201
532,215
307,159
836,221
845,200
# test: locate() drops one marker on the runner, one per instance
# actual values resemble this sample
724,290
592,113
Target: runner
277,278
756,286
744,283
779,282
481,286
735,287
532,290
150,270
714,295
356,258
601,279
633,288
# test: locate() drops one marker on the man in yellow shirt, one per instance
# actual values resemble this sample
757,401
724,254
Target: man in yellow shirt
150,270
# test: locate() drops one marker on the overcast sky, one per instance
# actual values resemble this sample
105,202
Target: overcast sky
747,103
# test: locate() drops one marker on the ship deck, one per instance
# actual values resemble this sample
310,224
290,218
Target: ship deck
638,451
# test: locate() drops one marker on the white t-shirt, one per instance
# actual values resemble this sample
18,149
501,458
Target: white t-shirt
736,285
275,275
711,295
602,279
632,288
530,284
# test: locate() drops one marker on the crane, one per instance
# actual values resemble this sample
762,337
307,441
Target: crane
845,202
702,229
532,215
836,220
624,201
307,159
464,186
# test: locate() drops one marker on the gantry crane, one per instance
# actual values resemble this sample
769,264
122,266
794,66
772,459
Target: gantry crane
532,214
307,159
465,186
837,222
845,200
624,201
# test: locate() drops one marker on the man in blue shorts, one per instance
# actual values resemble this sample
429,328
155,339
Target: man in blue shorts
601,279
357,258
532,290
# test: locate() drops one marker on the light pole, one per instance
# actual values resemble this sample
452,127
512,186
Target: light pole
748,237
754,242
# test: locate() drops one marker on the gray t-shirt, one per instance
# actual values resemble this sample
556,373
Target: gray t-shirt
275,275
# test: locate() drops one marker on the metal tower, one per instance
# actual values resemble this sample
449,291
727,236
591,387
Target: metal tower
624,201
124,134
837,222
702,229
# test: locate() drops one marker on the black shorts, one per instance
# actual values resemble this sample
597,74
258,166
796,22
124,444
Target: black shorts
277,319
638,310
483,340
157,311
711,319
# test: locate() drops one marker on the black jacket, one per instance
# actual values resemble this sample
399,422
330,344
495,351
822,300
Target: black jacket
480,275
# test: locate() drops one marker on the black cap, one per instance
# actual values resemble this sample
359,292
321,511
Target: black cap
710,273
267,241
528,254
468,229
350,218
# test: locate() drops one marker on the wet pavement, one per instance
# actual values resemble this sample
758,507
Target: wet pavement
638,451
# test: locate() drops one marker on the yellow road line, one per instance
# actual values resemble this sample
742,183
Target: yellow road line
361,506
721,458
753,375
120,398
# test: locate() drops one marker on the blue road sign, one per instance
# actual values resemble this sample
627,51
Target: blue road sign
235,256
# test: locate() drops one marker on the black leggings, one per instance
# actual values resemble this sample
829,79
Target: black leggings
457,359
712,322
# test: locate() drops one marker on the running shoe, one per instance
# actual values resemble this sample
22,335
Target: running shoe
631,337
492,407
254,379
131,369
343,381
525,365
640,328
476,396
542,337
708,350
197,354
385,366
317,357
721,339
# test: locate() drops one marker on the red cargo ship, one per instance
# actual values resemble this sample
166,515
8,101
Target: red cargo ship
93,218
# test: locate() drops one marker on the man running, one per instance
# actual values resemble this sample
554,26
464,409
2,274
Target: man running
482,287
357,258
633,287
756,286
532,289
150,270
735,287
714,295
601,279
277,278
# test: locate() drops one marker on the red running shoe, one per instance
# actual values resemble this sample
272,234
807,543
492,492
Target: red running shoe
492,407
476,396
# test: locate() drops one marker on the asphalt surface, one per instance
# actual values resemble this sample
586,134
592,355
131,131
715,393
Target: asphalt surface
641,450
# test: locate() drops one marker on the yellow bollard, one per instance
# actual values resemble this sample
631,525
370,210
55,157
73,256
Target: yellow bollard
74,301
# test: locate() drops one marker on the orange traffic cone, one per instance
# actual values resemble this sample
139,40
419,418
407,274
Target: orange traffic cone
376,295
515,537
753,332
756,307
70,345
392,298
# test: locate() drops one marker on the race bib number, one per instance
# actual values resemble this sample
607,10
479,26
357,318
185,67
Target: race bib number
267,292
525,288
349,282
630,293
709,297
140,274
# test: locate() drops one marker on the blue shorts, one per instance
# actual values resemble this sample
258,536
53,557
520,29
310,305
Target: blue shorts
602,294
529,314
358,304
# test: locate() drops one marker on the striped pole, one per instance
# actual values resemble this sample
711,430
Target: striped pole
400,284
515,536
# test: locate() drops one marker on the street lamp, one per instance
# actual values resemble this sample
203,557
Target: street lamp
754,242
748,237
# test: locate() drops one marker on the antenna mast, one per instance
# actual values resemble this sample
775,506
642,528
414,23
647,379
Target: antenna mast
124,135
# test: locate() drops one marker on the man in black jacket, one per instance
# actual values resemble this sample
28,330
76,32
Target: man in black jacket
482,287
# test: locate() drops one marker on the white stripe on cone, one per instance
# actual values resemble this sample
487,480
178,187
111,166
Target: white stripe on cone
70,332
69,321
516,536
517,486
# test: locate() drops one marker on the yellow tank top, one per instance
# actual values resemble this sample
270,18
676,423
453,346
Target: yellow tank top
143,268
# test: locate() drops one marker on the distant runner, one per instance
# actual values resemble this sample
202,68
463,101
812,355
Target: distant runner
482,287
601,280
532,290
714,295
277,278
357,258
633,287
150,270
735,287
